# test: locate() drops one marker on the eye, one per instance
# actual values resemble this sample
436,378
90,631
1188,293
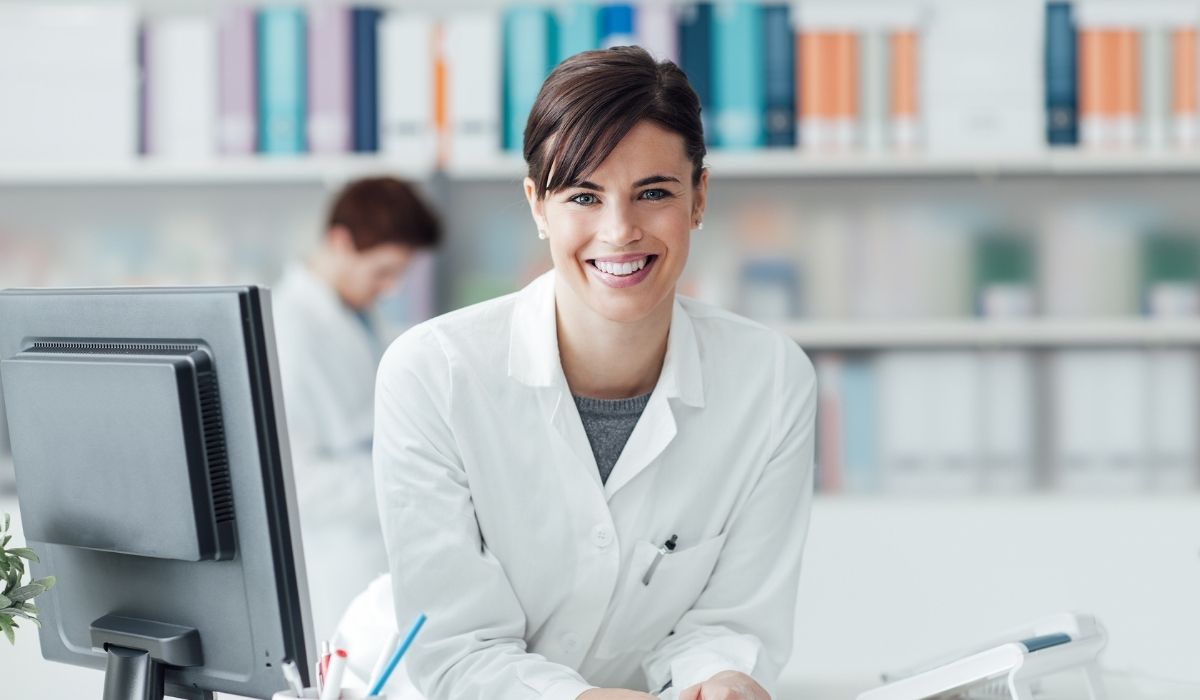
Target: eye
586,199
655,195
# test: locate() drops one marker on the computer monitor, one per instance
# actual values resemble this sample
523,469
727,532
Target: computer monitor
154,482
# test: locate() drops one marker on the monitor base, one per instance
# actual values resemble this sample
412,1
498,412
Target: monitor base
139,653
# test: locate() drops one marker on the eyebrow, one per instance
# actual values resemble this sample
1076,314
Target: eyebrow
588,185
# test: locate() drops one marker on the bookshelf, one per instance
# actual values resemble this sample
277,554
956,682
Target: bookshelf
748,166
214,172
1039,333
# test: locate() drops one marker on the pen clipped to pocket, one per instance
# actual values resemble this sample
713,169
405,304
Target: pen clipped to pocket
664,550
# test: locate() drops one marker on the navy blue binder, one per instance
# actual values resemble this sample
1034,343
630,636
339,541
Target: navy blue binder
365,71
780,76
695,57
1062,94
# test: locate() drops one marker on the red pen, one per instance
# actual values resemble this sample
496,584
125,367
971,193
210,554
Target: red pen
323,668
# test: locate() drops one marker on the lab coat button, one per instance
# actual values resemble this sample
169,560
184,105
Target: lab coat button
602,536
570,640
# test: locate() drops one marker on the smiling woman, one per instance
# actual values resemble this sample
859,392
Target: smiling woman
594,487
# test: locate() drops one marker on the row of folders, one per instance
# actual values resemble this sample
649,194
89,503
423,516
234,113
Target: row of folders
1088,421
327,78
1122,75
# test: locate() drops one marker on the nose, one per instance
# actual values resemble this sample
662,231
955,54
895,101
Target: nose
620,226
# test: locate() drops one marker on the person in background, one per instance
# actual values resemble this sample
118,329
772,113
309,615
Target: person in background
329,349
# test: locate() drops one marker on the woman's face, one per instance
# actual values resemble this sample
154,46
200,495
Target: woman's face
619,239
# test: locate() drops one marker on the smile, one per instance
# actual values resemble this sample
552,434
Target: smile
622,273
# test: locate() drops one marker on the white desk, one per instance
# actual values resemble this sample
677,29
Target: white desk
868,557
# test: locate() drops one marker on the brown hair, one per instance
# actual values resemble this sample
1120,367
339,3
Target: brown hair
382,210
592,100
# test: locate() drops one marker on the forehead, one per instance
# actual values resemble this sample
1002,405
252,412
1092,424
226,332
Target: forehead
648,149
385,254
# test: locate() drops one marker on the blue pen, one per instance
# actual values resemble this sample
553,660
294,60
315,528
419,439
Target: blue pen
395,660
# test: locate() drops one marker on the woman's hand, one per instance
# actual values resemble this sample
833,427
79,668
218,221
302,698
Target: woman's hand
614,694
726,685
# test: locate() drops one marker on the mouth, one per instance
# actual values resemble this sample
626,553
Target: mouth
623,273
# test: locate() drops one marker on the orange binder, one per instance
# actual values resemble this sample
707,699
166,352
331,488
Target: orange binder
1184,106
903,79
843,89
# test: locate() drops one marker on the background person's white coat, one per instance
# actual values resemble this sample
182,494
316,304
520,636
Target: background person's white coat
327,363
530,569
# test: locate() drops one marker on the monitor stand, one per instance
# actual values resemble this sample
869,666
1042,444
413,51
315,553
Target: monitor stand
139,652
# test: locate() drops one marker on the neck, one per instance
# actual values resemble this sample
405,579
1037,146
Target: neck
607,359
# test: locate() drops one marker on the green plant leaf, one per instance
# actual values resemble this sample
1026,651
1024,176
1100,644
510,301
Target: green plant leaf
6,626
27,592
4,542
4,602
25,553
46,582
7,521
17,612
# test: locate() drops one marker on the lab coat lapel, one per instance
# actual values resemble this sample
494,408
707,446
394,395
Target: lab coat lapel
533,360
681,380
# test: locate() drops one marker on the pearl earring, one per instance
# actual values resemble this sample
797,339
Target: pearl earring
542,233
699,225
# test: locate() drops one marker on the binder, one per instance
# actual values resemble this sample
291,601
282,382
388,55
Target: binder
406,88
1185,113
329,79
617,25
657,30
1155,81
860,426
1100,420
738,94
181,87
471,55
237,83
875,65
779,79
696,58
1062,127
904,83
813,78
282,79
42,48
529,49
364,38
1007,402
828,448
578,28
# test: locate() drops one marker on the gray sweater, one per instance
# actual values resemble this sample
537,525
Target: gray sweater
608,424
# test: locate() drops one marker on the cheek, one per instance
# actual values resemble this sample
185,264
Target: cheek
568,237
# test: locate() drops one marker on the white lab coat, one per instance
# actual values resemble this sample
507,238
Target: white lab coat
530,570
327,363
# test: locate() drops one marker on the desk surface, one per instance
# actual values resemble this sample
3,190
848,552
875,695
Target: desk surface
27,675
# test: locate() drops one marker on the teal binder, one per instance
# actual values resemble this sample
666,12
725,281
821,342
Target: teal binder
578,28
860,461
530,47
739,99
282,80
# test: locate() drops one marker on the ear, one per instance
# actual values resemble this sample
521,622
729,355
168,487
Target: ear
537,205
700,198
339,239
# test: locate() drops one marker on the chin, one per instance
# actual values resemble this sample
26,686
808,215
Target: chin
630,309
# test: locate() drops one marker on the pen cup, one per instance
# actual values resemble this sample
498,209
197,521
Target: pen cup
311,694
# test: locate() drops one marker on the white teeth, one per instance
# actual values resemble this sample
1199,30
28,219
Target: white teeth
622,269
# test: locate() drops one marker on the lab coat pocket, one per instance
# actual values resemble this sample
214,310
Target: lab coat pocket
643,614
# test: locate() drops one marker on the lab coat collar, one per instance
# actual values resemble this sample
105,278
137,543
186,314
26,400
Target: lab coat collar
533,357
